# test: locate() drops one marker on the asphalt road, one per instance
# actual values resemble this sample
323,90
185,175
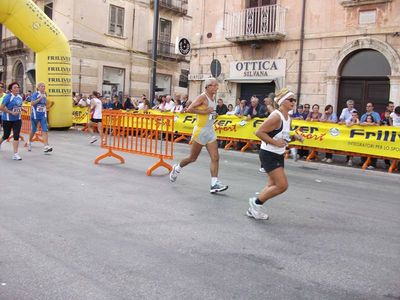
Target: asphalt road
70,229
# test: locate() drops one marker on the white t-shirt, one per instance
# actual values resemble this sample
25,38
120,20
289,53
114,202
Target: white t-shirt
98,108
396,119
169,105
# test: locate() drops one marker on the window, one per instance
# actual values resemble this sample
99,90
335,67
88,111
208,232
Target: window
116,22
183,78
113,82
165,30
48,9
258,3
163,83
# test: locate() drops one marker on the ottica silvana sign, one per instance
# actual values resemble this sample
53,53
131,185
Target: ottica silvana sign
258,69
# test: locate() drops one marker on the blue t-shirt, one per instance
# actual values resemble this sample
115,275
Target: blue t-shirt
39,110
14,104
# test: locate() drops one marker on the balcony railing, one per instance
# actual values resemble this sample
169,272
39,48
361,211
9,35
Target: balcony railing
258,23
177,6
11,44
165,50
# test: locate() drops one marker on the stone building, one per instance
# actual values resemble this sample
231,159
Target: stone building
110,46
326,51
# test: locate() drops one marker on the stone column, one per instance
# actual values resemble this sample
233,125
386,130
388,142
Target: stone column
332,89
395,90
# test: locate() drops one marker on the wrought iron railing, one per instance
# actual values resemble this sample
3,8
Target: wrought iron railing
11,44
179,6
266,22
165,49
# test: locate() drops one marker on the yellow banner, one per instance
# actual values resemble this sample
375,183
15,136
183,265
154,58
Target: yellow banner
80,115
374,140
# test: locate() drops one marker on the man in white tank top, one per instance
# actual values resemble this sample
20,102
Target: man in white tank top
203,135
96,109
274,134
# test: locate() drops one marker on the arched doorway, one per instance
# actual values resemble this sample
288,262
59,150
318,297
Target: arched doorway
364,77
19,75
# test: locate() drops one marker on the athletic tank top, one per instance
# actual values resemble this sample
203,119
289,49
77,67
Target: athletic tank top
283,132
206,120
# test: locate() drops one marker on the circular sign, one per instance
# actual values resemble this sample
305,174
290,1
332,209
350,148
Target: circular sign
184,46
215,68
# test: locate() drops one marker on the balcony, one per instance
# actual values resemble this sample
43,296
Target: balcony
257,23
179,7
12,45
165,50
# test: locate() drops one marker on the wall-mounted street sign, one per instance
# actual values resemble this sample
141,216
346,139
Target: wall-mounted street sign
184,46
215,68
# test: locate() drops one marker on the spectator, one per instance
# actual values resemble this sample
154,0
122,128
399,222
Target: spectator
329,116
169,104
354,120
128,104
389,107
84,101
369,121
230,110
314,115
385,119
346,114
306,111
160,103
298,115
146,105
237,104
268,106
376,119
178,107
184,101
221,108
116,104
239,111
28,96
395,117
75,99
254,110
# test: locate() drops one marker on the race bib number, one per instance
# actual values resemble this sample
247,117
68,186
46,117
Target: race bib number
212,116
16,109
41,108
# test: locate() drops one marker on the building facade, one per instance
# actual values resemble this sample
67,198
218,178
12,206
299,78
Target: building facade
325,51
110,44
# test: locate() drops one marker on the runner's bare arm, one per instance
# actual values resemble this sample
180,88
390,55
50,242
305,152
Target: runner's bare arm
269,125
200,100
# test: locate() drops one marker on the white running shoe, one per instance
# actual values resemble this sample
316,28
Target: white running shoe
329,160
350,163
47,149
262,170
218,187
256,211
29,146
16,157
174,173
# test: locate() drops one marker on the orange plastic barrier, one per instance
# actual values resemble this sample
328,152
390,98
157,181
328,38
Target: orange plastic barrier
26,127
144,134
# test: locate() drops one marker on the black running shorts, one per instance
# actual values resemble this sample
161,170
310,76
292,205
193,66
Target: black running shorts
95,120
271,161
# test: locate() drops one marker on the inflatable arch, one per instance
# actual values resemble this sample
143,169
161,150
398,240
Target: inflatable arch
53,56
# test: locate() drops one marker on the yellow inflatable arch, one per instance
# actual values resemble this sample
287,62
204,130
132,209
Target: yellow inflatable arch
53,56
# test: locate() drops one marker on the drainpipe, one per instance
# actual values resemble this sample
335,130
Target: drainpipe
303,13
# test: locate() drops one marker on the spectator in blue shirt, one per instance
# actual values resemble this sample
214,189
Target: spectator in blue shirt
370,111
